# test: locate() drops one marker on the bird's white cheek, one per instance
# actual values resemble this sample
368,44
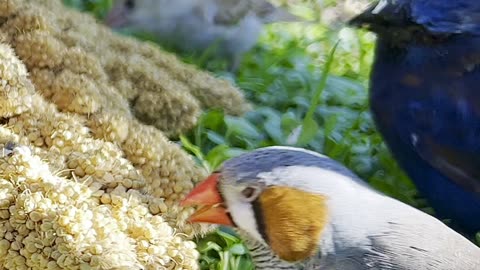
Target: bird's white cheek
243,216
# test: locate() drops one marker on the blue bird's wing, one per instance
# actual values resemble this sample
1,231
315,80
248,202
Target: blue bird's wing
446,16
445,132
460,166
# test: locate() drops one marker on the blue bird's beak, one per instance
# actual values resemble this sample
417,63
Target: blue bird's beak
379,15
364,19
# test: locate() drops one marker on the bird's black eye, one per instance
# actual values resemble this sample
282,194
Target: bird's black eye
130,4
249,193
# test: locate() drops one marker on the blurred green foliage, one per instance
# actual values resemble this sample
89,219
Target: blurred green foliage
98,7
309,84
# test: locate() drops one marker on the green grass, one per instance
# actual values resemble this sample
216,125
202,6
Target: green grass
308,84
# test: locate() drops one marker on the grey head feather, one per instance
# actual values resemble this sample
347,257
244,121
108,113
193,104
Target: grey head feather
248,166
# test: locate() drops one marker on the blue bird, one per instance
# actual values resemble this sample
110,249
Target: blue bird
425,98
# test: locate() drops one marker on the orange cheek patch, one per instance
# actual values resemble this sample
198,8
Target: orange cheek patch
294,220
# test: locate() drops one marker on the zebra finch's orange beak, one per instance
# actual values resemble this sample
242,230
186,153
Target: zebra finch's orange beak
207,196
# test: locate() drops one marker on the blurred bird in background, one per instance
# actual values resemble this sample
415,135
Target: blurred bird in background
425,98
297,209
339,12
230,27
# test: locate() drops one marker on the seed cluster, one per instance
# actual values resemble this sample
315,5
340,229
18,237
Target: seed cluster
85,68
49,222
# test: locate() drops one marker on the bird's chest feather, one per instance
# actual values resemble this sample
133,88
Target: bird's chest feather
423,98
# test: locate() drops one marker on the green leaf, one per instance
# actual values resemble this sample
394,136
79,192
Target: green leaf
195,150
215,137
224,261
309,126
245,263
219,154
238,249
308,132
289,121
229,239
228,230
346,92
190,147
213,237
213,119
331,123
207,246
241,127
274,129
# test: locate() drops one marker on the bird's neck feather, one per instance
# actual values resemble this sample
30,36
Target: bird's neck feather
262,255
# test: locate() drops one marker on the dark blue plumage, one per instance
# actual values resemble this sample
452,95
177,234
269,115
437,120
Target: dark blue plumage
425,98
